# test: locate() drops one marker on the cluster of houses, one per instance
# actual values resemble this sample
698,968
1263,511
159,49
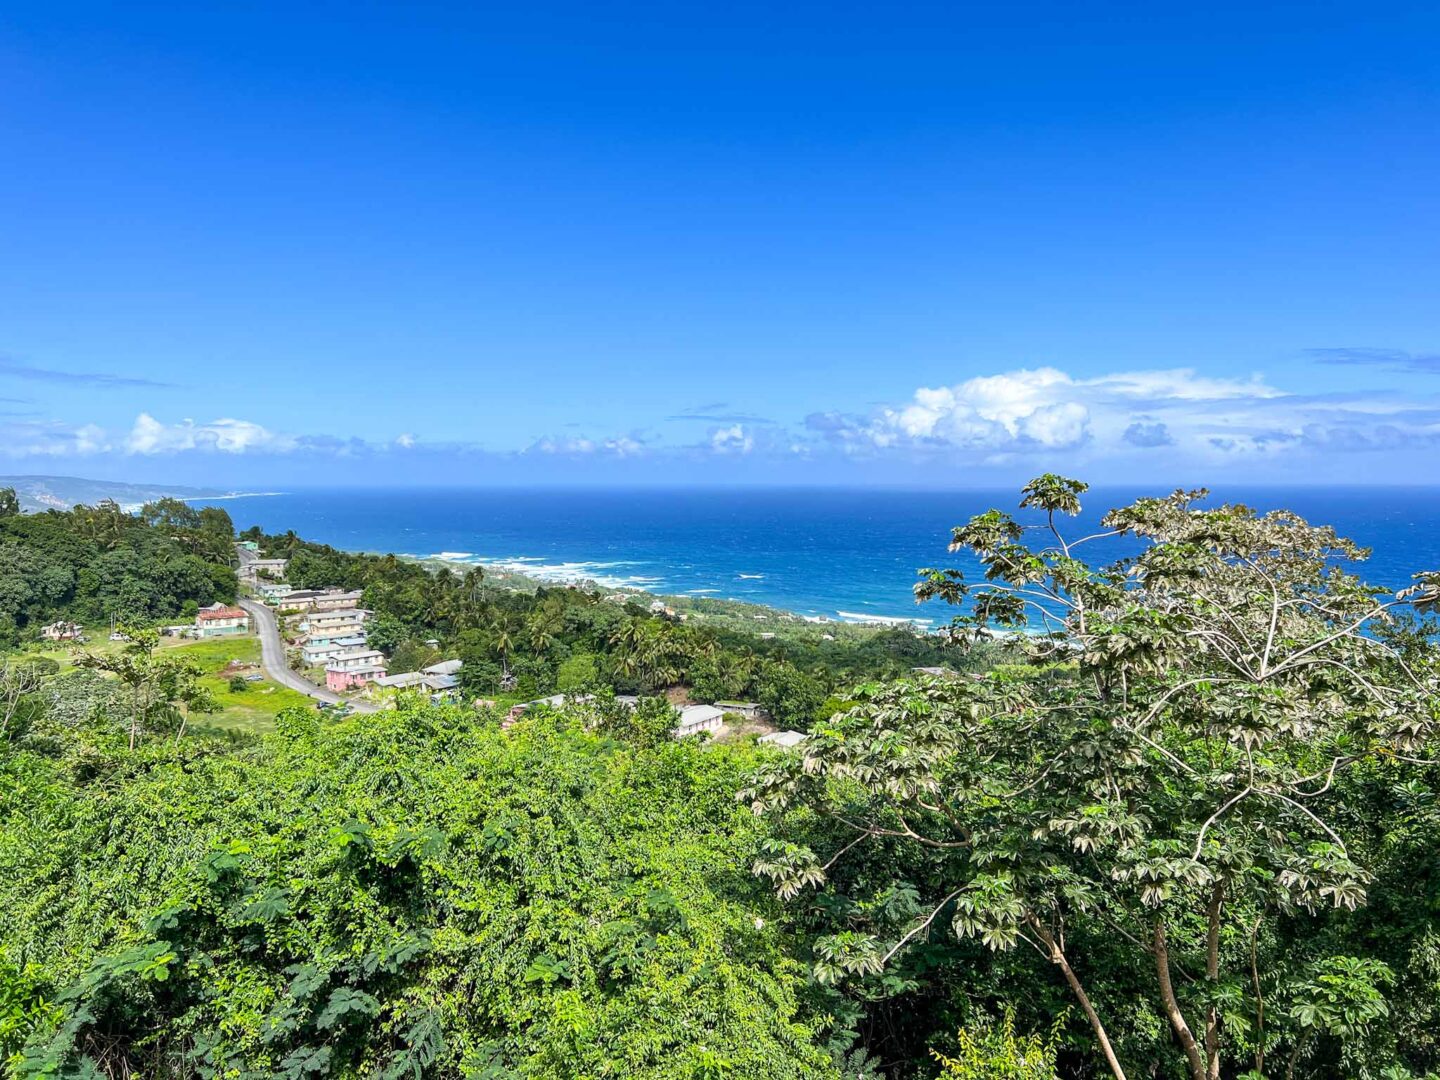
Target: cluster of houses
332,625
217,620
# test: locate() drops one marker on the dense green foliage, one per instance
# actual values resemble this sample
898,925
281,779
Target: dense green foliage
1186,829
411,890
95,564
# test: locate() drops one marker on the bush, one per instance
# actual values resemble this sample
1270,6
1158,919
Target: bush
995,1052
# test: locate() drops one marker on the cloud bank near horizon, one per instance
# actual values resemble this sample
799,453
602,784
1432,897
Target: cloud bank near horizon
1139,423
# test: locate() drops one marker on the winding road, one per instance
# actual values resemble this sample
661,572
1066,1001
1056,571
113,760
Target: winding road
272,659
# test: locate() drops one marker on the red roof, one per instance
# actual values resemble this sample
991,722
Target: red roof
210,614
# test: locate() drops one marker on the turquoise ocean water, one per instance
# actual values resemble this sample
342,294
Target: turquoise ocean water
838,554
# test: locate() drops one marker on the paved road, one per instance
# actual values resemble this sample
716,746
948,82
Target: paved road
272,658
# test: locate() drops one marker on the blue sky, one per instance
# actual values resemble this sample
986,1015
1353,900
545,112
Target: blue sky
270,245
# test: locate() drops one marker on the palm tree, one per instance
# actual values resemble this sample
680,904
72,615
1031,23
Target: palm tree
502,641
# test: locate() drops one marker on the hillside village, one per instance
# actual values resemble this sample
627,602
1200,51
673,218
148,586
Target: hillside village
326,641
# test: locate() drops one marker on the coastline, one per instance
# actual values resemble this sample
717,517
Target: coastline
702,607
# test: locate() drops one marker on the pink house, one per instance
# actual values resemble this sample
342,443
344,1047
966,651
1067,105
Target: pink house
339,679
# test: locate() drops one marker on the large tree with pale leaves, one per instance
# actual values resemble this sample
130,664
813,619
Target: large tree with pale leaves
1165,772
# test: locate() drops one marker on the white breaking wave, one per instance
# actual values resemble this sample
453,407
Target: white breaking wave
751,577
559,573
884,620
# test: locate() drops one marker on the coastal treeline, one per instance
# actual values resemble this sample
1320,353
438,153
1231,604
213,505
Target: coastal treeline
95,564
1174,817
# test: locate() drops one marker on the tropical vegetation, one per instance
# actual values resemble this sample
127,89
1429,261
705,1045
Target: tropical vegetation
1166,814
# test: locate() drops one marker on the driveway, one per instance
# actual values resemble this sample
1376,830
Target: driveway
272,659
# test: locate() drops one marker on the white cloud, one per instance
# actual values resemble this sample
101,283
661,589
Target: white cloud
51,438
227,436
579,446
731,440
1177,413
405,441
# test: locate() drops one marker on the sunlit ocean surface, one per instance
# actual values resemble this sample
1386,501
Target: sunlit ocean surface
849,555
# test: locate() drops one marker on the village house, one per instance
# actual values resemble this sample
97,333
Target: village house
404,680
697,718
263,570
340,679
439,685
342,632
437,679
63,631
355,658
317,653
329,620
272,590
219,620
317,600
335,600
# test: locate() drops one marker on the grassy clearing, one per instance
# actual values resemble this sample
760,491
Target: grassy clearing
252,709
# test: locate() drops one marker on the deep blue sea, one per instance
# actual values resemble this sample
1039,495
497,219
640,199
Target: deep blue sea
848,555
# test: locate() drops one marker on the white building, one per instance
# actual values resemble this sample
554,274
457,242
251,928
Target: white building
263,570
354,658
317,600
218,620
328,620
318,652
697,718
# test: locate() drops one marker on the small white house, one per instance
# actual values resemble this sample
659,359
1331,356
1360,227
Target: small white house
63,631
697,718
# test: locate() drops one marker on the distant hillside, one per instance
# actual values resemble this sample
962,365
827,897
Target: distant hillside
39,493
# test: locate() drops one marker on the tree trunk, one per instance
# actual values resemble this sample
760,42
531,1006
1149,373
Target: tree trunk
1259,998
1212,975
1057,956
1172,1006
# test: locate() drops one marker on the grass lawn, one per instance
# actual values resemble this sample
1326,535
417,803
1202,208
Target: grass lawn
252,709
